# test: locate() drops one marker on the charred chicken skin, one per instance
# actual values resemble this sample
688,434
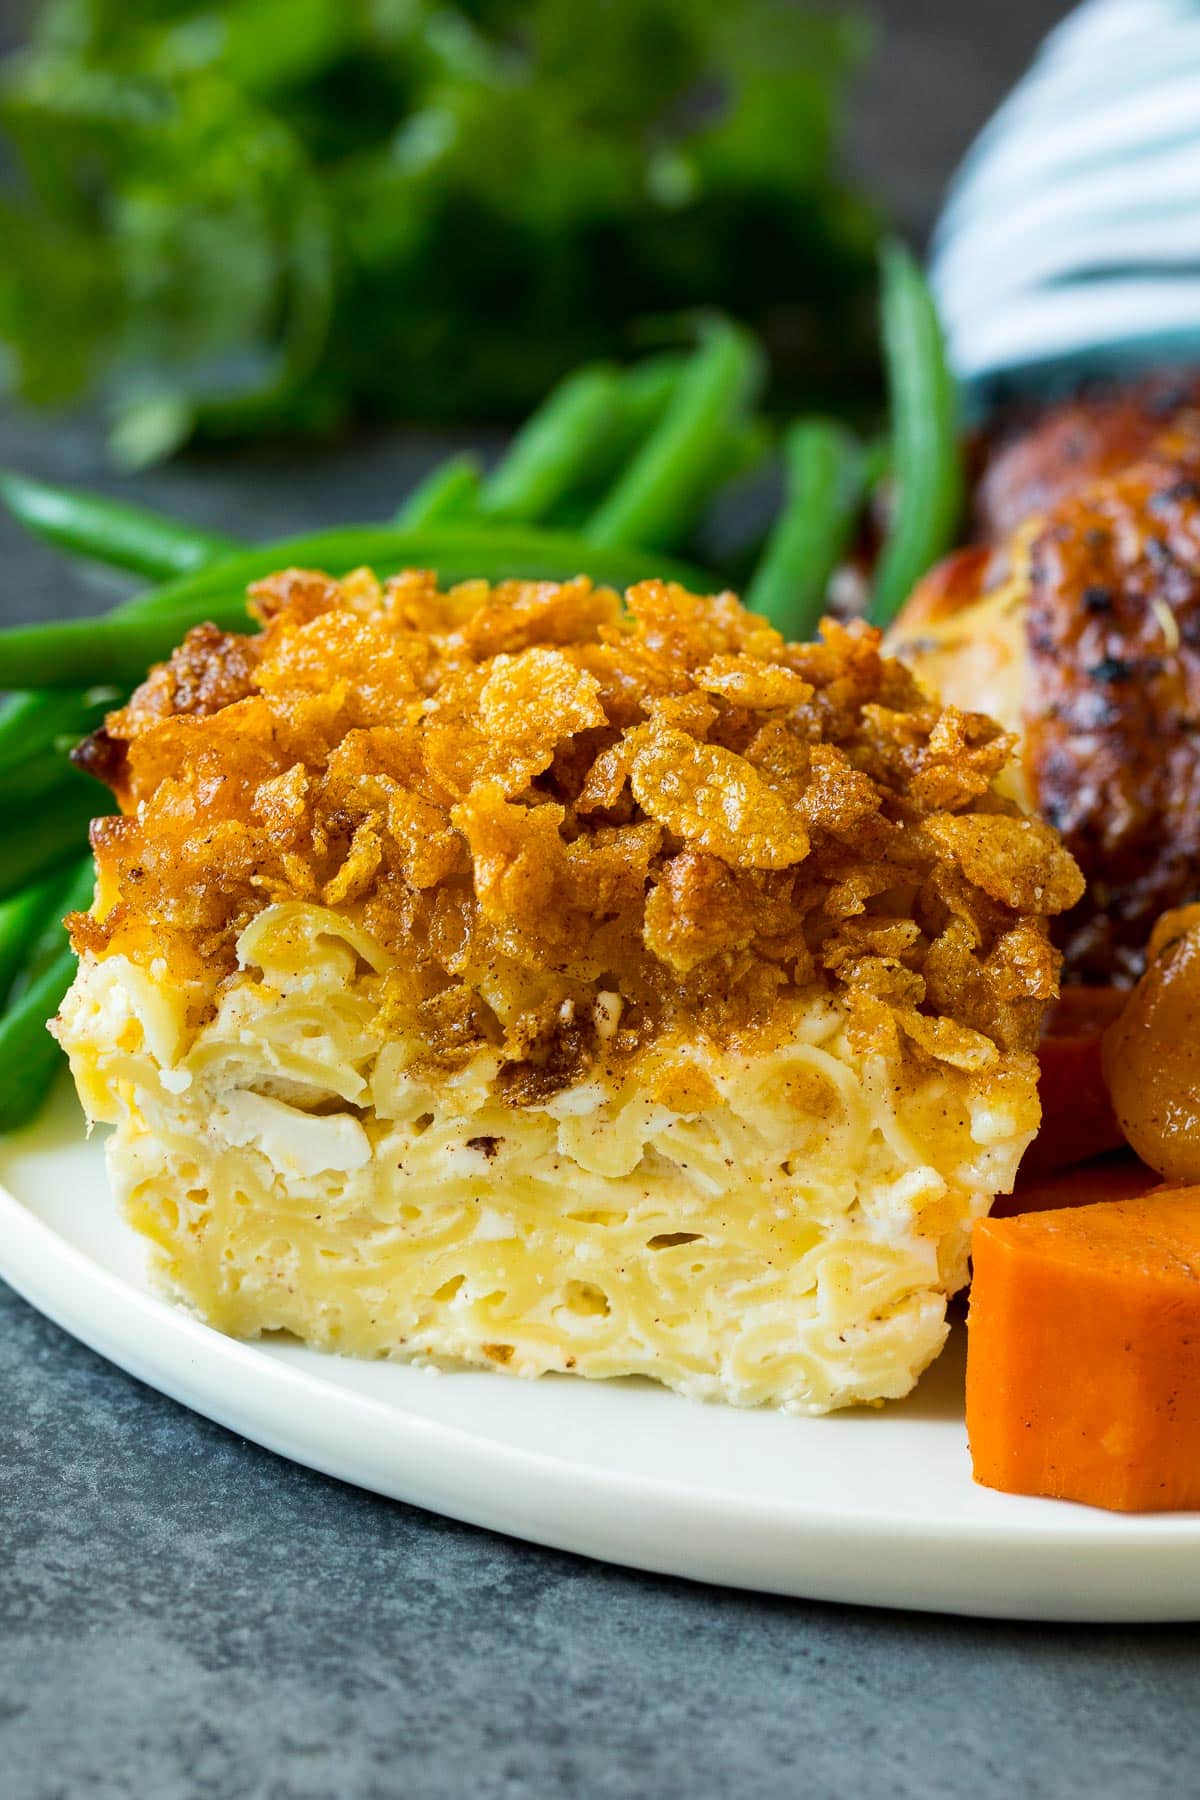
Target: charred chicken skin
1080,631
1032,458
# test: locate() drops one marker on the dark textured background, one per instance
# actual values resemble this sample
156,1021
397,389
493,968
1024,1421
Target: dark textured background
182,1614
941,67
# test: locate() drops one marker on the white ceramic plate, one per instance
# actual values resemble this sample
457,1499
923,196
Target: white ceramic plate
874,1507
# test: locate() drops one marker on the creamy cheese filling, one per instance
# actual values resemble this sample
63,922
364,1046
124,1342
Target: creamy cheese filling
790,1236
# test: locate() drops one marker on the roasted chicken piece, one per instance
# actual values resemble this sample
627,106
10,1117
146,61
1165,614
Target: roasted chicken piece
1032,458
1081,632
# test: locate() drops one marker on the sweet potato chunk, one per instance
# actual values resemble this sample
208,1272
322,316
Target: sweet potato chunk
1083,1365
1078,1121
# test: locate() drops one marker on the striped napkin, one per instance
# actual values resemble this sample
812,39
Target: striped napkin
1070,240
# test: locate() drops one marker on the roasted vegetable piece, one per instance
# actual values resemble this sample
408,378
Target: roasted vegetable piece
1117,1176
1078,1121
1083,1357
1152,1052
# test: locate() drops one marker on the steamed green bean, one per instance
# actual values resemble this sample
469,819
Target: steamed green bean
37,725
29,1056
824,468
926,463
52,832
23,920
119,646
449,491
72,894
110,531
553,450
669,478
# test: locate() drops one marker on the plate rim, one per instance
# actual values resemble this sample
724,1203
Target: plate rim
626,1517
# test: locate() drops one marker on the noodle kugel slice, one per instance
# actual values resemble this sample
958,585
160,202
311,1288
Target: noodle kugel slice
528,978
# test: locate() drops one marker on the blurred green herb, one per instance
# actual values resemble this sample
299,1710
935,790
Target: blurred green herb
280,214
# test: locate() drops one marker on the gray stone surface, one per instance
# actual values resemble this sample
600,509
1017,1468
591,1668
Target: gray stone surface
182,1614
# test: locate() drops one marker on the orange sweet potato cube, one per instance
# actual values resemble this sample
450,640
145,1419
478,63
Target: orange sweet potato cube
1083,1359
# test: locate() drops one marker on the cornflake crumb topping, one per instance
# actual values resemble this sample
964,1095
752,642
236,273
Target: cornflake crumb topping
578,823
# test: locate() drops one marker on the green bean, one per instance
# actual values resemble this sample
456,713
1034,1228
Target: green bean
645,393
109,531
50,831
115,648
118,647
877,462
659,494
36,725
36,968
23,918
926,461
458,552
569,449
27,785
562,458
41,720
75,894
738,452
449,491
649,387
552,451
29,1056
824,490
81,891
30,723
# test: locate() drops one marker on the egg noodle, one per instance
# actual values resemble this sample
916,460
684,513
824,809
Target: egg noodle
790,1238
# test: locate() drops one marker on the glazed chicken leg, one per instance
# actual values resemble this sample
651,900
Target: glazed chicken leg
1081,633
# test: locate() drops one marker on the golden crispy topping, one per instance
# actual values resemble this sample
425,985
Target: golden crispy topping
1018,861
716,800
554,810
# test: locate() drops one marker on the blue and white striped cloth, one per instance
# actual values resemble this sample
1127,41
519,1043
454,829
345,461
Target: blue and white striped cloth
1070,241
